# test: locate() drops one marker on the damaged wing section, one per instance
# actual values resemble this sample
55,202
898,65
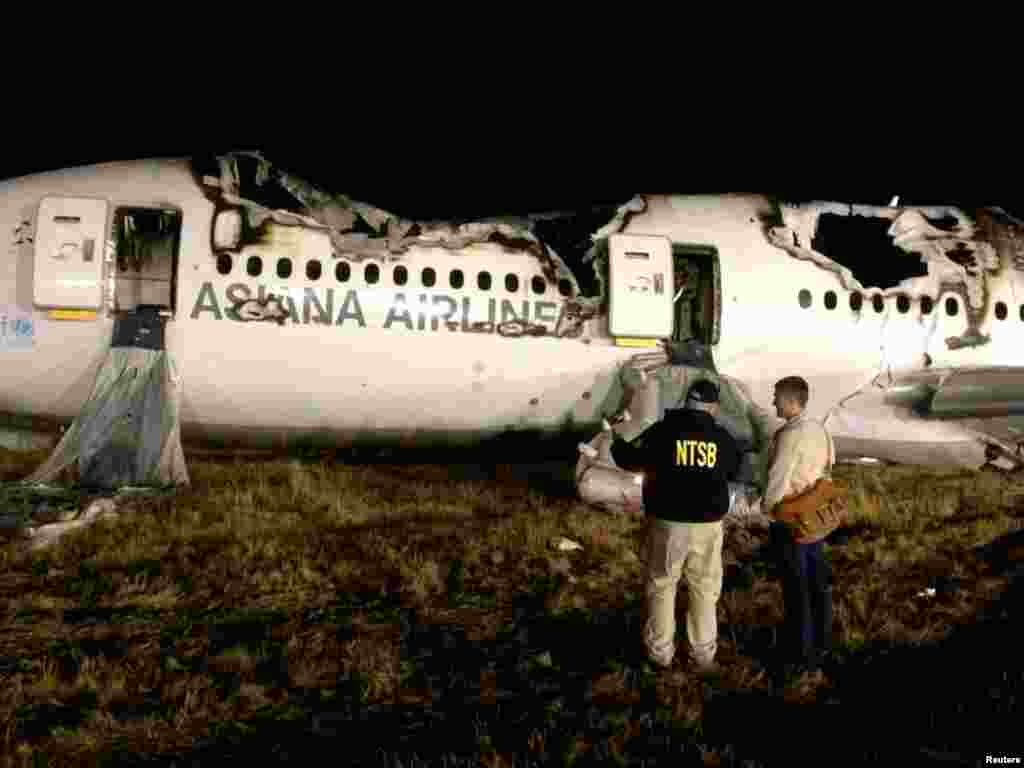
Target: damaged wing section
981,392
964,417
914,252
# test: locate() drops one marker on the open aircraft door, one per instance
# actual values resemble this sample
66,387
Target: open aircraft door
663,292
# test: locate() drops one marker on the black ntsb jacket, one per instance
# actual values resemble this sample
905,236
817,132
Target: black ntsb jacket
687,460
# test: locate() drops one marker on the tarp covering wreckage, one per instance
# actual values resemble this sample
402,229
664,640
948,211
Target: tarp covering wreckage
652,386
126,438
128,432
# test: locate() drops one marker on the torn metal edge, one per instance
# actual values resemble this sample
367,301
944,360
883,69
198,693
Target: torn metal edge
391,236
993,238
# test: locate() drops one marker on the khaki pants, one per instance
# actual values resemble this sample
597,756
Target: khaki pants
673,550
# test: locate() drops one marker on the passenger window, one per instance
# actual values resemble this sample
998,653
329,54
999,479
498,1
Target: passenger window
342,272
429,277
254,266
831,300
371,274
455,278
926,305
284,268
483,281
565,287
877,302
538,284
224,267
511,283
313,270
401,275
951,306
804,297
903,304
1000,310
856,300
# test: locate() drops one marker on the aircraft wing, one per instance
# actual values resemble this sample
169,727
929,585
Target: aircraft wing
938,408
973,393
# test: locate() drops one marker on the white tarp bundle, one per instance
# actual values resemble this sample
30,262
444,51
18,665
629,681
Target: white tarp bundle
43,536
600,482
128,432
647,395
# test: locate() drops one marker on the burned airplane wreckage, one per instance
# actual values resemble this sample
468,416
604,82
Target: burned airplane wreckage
900,317
571,249
273,207
882,259
919,252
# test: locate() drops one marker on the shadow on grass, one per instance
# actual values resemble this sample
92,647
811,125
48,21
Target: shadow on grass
40,720
947,703
554,478
521,459
540,671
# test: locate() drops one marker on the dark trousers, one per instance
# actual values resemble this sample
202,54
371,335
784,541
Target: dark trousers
807,595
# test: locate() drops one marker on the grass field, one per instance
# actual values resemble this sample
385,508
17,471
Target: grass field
314,612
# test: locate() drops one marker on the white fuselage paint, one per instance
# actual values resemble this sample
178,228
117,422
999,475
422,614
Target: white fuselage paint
247,379
276,381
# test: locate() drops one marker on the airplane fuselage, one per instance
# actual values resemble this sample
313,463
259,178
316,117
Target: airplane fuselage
356,361
449,345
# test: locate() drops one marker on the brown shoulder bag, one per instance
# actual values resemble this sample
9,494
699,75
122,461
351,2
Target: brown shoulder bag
816,512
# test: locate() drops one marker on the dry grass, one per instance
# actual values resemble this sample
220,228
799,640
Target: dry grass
285,602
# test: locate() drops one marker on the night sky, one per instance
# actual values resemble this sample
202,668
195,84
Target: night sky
465,169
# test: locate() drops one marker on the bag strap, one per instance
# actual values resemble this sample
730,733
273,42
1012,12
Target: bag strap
831,453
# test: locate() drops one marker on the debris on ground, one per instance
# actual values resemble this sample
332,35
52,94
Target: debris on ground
564,544
41,513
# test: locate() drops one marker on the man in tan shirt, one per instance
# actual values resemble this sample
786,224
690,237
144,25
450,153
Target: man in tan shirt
800,453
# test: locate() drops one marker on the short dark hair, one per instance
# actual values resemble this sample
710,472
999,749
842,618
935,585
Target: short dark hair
794,387
703,391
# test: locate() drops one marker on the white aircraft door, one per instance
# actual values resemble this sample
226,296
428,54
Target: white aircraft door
640,286
69,252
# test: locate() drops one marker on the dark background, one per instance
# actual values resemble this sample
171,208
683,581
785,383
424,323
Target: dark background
439,164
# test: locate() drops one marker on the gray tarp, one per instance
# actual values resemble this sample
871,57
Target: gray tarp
128,431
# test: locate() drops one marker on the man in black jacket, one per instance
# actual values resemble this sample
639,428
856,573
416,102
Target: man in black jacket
687,461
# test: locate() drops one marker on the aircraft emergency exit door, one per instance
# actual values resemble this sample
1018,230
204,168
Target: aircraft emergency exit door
69,242
640,286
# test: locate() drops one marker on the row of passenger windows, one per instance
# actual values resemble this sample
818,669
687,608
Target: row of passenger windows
400,275
902,304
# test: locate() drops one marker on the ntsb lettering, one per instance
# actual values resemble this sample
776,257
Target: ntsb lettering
696,453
